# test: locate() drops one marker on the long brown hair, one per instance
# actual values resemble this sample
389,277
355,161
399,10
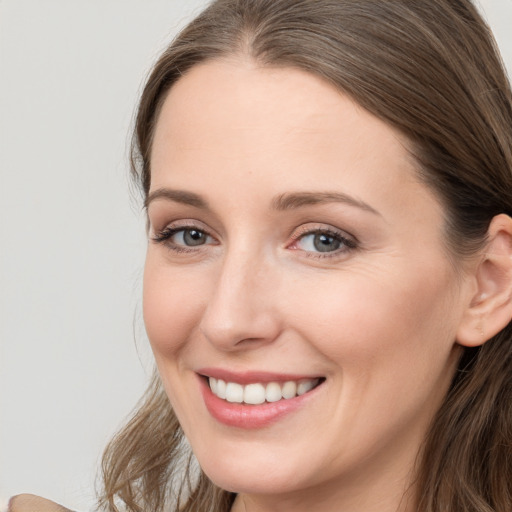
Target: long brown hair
432,71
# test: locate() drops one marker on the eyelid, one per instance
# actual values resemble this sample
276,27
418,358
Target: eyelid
349,241
164,236
315,227
181,224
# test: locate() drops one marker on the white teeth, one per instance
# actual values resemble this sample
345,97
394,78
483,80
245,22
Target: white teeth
289,389
257,393
221,389
234,392
273,392
304,386
254,394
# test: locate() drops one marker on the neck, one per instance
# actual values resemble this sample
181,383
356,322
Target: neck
382,486
386,496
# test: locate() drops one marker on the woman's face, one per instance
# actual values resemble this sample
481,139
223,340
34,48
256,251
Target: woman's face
292,246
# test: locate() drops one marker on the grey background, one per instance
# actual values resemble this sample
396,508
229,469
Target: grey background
71,238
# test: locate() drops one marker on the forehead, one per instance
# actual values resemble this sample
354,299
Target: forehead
265,105
229,91
245,125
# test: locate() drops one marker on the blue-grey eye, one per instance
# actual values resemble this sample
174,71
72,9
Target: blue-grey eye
326,243
320,242
183,237
190,237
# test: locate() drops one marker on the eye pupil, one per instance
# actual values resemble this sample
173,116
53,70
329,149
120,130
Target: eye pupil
326,243
193,237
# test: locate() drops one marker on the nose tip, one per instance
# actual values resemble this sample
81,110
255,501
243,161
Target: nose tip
240,313
240,332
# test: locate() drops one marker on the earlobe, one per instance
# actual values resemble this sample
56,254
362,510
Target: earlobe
490,309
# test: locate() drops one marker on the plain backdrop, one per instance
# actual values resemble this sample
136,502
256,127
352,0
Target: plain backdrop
73,355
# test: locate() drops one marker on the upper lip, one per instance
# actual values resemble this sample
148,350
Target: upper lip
250,377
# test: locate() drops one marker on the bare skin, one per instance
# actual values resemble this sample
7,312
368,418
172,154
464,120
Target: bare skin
248,271
290,235
32,503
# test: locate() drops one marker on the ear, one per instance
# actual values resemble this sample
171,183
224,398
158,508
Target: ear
490,308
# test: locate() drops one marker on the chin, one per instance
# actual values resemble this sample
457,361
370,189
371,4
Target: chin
251,477
254,483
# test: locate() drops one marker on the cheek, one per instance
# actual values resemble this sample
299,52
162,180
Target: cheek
380,324
172,306
390,347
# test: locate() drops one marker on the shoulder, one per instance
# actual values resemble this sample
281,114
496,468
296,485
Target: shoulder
32,503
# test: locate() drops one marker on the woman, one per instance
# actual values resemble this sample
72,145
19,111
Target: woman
328,280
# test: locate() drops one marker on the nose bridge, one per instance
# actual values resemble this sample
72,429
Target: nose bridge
240,307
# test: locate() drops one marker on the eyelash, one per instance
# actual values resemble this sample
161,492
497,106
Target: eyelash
348,244
164,237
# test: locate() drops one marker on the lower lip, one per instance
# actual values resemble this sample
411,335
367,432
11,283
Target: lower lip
251,416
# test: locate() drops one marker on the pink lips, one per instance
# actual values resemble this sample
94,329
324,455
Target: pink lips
249,416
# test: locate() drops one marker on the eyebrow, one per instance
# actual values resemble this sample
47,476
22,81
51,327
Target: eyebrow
288,201
178,196
297,200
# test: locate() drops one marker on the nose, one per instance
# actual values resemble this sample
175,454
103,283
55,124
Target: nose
242,311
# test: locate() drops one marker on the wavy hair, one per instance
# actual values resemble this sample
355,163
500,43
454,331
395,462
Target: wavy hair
431,70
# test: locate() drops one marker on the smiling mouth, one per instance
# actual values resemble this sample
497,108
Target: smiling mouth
260,393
